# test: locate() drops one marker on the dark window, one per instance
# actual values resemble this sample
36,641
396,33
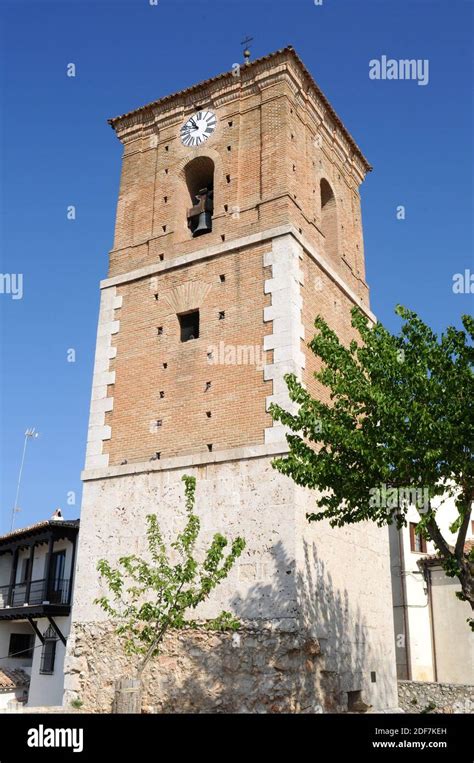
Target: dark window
189,325
57,583
417,542
21,645
354,699
48,653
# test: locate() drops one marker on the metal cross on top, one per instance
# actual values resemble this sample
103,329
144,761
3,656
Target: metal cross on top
247,50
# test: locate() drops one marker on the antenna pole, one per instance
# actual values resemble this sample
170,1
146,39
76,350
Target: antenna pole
30,433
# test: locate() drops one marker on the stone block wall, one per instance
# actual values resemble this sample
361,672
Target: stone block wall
262,668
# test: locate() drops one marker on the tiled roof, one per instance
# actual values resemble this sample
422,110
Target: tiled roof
290,50
433,559
11,678
39,526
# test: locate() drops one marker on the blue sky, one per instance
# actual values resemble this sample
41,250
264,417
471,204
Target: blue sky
58,150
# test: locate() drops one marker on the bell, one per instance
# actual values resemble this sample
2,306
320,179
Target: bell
204,224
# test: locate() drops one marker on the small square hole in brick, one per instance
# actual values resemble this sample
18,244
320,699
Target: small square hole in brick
226,207
373,676
159,330
221,315
165,199
167,148
162,394
157,297
230,124
158,455
227,177
159,422
208,386
208,414
164,228
161,257
222,278
165,365
166,172
209,447
229,148
223,237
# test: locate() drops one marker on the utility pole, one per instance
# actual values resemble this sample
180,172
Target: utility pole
30,434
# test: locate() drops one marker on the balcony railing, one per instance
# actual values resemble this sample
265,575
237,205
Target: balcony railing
40,592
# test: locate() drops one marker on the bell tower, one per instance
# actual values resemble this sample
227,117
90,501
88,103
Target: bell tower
238,220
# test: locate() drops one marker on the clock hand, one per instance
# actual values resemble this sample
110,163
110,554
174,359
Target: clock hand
194,124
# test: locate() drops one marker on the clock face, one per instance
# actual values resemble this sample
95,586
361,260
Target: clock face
198,128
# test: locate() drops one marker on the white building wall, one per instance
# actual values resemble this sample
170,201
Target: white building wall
44,690
9,698
47,690
418,640
420,652
454,640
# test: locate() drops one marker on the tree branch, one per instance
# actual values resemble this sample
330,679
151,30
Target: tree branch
461,539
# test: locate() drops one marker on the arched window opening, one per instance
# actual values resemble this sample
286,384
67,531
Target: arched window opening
199,175
329,218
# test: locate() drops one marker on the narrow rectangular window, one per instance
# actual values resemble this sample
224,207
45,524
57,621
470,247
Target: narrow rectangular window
189,325
417,542
48,655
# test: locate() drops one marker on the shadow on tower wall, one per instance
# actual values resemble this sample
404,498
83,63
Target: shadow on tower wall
311,657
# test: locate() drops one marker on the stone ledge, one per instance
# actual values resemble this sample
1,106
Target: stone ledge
239,243
180,462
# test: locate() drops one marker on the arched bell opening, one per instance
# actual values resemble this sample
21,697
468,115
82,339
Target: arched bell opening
199,177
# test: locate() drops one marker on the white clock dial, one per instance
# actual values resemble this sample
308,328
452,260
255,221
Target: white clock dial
198,128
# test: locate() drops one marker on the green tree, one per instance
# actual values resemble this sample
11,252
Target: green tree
399,429
150,597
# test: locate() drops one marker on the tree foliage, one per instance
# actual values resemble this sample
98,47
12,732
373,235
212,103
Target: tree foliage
400,419
148,597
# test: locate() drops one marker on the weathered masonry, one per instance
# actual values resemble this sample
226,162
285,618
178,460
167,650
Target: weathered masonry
238,220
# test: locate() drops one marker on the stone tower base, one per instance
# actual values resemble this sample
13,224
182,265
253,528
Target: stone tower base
314,602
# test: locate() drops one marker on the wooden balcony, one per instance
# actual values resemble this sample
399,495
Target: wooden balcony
38,598
50,595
